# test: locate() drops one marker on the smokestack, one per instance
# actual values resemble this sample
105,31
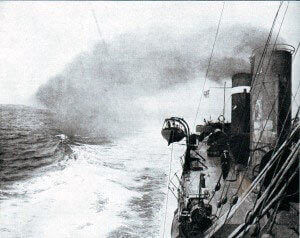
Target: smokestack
240,112
240,116
271,96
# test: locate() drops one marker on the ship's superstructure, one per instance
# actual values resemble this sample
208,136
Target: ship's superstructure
258,150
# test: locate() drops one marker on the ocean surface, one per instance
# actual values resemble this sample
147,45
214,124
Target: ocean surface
52,186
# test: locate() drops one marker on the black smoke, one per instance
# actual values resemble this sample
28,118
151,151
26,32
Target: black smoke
98,92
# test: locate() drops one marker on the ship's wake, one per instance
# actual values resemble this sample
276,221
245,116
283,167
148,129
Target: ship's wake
109,190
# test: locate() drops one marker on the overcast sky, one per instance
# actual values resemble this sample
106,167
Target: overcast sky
39,38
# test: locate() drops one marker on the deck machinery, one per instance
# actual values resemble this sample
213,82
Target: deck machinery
194,213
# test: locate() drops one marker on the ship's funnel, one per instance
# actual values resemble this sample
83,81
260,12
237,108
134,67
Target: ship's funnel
271,95
240,116
240,96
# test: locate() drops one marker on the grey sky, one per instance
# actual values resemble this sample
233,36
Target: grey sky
39,38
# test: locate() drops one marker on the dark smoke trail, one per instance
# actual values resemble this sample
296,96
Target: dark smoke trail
234,47
98,91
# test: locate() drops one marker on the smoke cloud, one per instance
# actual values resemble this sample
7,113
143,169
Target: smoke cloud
98,92
233,49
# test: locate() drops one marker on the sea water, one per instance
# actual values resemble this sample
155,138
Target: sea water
51,187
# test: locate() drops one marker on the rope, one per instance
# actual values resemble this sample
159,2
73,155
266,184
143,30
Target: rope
167,200
277,142
209,62
274,185
296,51
272,52
294,96
102,39
261,62
285,121
258,68
266,46
248,163
250,189
244,226
263,55
274,215
99,31
252,83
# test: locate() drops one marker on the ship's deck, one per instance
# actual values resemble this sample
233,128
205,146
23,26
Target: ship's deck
285,222
213,173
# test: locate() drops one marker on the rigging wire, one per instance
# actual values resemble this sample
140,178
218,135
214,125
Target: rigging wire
256,181
274,215
269,61
296,51
244,227
273,49
209,62
272,108
265,47
252,83
167,199
104,44
260,65
282,190
277,165
264,127
99,31
264,178
261,59
294,96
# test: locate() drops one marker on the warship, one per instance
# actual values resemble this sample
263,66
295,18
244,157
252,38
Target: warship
241,179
